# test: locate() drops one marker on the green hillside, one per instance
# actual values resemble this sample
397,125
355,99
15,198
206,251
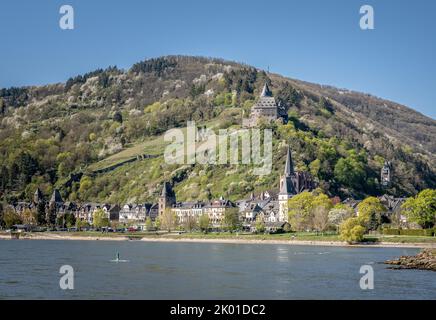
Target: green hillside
72,135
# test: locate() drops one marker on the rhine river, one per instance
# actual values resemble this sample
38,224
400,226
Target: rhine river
29,269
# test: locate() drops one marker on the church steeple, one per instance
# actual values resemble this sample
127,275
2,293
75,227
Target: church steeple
289,166
167,198
286,185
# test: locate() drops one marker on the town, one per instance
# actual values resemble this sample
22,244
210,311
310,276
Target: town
270,211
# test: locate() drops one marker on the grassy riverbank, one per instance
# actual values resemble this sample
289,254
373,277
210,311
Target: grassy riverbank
290,238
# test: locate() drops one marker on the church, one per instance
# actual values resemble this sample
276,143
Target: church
291,183
271,207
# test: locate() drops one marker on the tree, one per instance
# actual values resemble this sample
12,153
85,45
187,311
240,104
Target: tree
79,224
158,223
421,209
118,117
40,213
4,178
300,210
10,217
70,220
370,212
231,219
28,217
190,224
204,223
85,185
51,214
148,224
100,219
260,224
168,220
338,214
1,216
321,206
350,171
351,230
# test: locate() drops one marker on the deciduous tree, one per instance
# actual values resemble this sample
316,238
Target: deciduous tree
421,209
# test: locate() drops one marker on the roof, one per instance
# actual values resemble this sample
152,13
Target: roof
266,92
266,100
289,166
189,205
38,196
266,103
167,190
220,203
56,197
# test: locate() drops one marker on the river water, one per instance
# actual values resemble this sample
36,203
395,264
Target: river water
154,270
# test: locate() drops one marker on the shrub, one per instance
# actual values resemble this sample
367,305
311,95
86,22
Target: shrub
351,230
409,232
391,232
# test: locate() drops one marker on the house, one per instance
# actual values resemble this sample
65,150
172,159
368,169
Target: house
112,211
137,212
186,210
216,210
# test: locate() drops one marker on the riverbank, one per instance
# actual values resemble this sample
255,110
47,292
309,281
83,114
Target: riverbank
327,240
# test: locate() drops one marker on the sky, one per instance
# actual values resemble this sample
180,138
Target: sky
312,40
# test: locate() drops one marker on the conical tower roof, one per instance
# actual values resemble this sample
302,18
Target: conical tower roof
38,196
167,191
289,166
266,92
56,197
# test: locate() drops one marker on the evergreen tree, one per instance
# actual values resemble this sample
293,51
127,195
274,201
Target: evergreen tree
51,215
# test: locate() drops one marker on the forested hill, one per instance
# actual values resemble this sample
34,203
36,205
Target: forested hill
48,133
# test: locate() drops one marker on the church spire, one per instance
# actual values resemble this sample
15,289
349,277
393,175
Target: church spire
289,167
286,184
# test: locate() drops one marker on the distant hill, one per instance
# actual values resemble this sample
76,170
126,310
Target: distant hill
103,118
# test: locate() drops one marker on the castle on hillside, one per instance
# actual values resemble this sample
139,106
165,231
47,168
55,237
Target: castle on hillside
266,107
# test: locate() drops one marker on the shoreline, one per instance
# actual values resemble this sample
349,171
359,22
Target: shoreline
224,241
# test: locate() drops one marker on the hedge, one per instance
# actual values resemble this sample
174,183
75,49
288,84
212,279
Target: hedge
409,232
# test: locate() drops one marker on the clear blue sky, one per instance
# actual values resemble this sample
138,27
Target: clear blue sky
312,40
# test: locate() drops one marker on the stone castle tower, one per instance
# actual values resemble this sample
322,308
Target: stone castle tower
167,198
266,107
38,196
386,174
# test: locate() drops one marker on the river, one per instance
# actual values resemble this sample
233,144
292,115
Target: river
29,269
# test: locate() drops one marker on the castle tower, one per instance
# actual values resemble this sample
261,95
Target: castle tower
266,106
287,189
167,198
56,197
386,174
38,196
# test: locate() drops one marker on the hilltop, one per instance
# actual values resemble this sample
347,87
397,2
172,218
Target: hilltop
99,136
